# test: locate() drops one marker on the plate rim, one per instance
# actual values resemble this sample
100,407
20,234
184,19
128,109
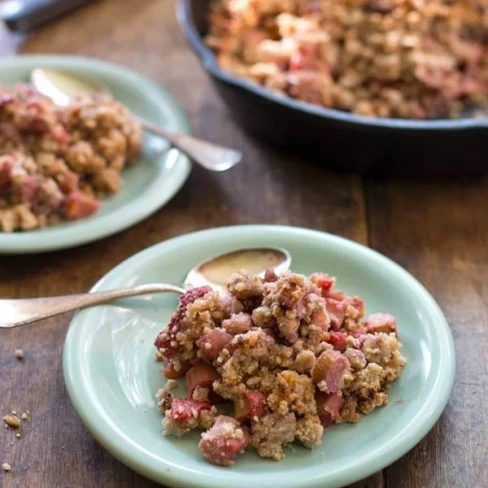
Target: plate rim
76,234
175,475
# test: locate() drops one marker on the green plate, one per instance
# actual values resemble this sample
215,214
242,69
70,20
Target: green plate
147,186
112,376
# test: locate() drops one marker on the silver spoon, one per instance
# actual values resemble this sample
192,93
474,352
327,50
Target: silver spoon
61,86
214,273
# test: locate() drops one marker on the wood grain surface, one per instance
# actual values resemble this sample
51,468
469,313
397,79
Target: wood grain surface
437,230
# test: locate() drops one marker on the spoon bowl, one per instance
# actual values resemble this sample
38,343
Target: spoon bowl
61,86
213,272
216,271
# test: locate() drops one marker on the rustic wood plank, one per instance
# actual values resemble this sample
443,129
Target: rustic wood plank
56,450
440,233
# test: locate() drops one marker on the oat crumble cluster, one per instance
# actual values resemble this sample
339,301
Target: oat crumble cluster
291,354
56,161
383,58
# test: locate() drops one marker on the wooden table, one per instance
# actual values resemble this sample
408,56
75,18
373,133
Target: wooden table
438,231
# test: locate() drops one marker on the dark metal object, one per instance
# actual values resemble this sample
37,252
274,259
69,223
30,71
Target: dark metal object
26,15
341,140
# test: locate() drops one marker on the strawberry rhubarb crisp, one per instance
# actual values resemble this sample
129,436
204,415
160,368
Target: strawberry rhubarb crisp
384,58
290,355
55,162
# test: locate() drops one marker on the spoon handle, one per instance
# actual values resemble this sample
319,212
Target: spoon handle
211,156
17,312
29,14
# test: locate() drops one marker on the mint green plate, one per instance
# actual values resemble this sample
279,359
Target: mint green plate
112,376
147,186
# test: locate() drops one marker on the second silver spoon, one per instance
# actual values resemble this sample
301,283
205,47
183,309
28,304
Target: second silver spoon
62,86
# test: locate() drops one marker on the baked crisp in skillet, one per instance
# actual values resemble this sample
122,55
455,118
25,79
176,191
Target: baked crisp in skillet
383,58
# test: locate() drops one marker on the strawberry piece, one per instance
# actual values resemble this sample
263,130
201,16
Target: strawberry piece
257,404
183,409
297,61
328,407
61,135
69,182
28,189
338,340
5,172
171,373
201,375
337,312
270,276
166,340
380,322
324,282
78,205
224,441
212,343
5,99
329,368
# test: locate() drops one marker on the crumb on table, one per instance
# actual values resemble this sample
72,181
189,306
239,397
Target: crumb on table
12,421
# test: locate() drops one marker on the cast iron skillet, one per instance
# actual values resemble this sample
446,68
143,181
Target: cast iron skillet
336,139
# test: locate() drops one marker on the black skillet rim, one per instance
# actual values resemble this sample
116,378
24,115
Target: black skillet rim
208,59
